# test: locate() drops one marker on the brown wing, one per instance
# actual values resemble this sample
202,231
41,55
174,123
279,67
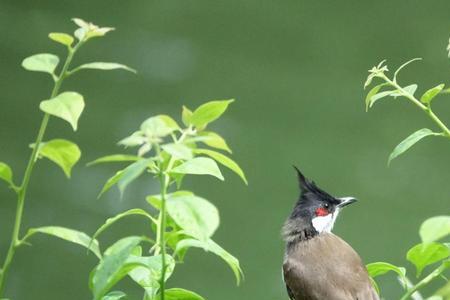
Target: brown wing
326,267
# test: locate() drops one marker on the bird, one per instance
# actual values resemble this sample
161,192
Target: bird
317,264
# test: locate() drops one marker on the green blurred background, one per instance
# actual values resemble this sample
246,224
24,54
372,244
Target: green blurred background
296,69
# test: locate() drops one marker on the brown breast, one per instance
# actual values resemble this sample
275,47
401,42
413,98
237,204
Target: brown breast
326,267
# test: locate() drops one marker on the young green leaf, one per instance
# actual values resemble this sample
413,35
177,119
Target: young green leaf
114,158
422,255
214,140
410,141
64,153
43,62
178,151
410,89
381,268
211,246
148,274
224,160
116,295
67,106
69,235
374,98
113,266
111,182
180,294
6,173
136,139
372,93
434,229
431,93
112,220
106,66
199,166
186,115
155,200
89,30
132,172
209,112
196,216
159,126
62,38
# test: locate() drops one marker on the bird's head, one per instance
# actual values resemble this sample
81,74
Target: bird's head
316,208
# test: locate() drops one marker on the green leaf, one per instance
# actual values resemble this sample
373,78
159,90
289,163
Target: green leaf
132,172
372,93
214,140
410,89
434,229
6,173
43,62
224,160
104,66
111,182
374,98
116,295
148,273
410,141
67,106
64,153
380,268
113,266
208,112
431,93
112,220
155,200
114,158
180,294
196,216
178,151
62,38
186,115
422,255
69,235
124,177
159,126
211,246
136,139
199,166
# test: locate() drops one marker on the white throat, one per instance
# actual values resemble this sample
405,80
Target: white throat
325,223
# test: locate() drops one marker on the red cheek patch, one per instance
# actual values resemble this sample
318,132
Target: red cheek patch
321,212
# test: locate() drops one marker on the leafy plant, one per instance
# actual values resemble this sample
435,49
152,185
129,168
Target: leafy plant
67,106
391,88
179,219
430,252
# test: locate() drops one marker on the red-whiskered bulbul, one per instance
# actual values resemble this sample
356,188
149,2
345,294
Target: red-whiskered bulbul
319,265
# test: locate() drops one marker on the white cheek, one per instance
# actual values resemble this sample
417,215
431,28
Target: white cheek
324,223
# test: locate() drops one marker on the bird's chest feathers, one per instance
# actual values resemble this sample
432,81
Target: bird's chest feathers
324,223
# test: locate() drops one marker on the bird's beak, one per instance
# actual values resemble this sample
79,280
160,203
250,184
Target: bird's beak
346,201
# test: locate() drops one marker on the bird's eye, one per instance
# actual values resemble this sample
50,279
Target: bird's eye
326,205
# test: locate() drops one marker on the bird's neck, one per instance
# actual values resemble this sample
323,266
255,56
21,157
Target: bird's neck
297,230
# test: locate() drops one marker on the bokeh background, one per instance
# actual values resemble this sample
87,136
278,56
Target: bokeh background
296,69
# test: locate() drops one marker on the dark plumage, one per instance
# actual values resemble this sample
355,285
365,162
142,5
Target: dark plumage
319,265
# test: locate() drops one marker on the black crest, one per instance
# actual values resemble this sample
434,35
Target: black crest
307,186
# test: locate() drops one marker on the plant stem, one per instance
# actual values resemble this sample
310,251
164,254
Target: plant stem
162,228
436,273
426,109
22,190
164,179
